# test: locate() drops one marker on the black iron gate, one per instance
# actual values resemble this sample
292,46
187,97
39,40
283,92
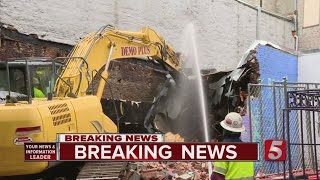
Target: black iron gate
304,102
275,112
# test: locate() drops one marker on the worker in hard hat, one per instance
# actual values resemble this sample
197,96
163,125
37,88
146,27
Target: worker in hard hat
37,93
233,127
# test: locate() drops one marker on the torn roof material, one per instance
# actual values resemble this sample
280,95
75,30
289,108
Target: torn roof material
218,84
236,74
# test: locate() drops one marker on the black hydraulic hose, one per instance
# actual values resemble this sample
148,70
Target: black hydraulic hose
79,84
114,103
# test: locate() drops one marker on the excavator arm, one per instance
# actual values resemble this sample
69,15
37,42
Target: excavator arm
97,49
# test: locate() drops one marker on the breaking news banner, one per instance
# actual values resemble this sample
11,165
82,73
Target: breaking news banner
40,151
135,147
158,151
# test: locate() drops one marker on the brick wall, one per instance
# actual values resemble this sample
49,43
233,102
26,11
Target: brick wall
133,80
15,44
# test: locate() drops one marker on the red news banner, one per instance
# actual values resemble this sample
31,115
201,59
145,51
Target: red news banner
157,151
144,147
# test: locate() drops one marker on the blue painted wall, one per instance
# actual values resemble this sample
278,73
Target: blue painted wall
274,65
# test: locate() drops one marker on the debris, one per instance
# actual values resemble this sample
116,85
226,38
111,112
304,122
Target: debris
185,177
170,137
175,170
135,102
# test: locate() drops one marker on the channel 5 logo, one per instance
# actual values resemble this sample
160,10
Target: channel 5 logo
275,150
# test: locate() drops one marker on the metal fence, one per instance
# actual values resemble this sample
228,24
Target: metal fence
304,101
267,112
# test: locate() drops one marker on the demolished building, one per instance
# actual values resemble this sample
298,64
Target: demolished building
225,91
133,87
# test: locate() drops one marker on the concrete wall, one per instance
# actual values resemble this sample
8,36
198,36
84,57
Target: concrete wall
306,68
308,36
284,7
225,28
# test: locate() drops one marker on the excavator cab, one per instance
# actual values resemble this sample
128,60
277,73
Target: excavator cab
21,120
28,118
26,78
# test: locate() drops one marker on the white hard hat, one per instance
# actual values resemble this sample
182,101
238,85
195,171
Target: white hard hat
233,122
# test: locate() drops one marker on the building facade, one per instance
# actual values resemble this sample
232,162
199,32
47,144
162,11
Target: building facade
224,29
309,25
307,15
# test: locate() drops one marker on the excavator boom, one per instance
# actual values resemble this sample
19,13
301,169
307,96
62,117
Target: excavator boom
98,49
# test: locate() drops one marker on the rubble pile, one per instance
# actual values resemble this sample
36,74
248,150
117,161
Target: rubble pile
174,170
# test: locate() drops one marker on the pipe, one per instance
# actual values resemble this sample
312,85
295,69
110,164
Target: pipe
296,38
295,20
295,7
258,23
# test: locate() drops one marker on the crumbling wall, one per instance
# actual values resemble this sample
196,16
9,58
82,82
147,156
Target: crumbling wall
15,44
132,86
133,80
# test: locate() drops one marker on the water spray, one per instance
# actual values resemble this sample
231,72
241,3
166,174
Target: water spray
191,34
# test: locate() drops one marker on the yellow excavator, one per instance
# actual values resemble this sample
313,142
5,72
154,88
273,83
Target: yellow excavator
69,107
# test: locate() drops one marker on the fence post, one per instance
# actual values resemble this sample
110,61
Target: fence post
309,135
275,116
302,144
249,108
283,137
288,128
261,124
315,141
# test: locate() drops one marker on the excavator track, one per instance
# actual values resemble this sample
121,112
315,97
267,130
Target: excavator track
103,170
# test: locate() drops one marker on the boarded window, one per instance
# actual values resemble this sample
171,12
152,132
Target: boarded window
311,13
